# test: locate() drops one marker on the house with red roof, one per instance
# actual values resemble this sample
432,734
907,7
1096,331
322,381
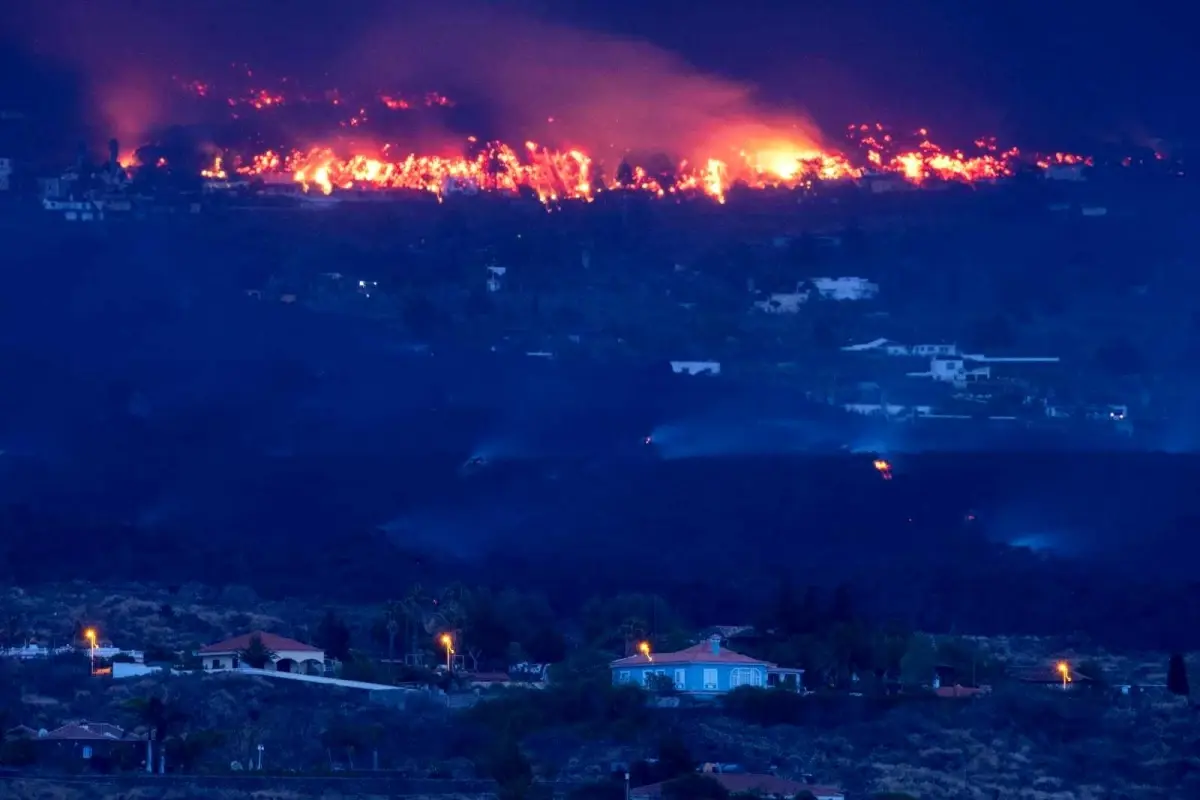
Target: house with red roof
742,783
706,668
289,654
95,745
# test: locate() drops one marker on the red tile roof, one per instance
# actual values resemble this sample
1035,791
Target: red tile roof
271,641
745,783
89,731
957,691
696,654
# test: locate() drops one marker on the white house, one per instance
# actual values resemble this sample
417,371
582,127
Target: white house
782,302
953,369
290,655
893,348
494,275
891,410
30,651
696,367
845,288
121,669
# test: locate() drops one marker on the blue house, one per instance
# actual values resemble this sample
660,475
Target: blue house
703,669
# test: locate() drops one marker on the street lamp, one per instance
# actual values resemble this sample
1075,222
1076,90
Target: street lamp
90,635
448,642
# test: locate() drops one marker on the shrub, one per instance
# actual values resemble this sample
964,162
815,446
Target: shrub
18,753
614,710
509,768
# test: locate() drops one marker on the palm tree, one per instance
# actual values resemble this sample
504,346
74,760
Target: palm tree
160,716
632,629
413,607
393,612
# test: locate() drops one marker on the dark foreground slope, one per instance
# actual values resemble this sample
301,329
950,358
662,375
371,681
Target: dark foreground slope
157,425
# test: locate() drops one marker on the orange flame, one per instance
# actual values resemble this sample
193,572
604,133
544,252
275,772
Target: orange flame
555,175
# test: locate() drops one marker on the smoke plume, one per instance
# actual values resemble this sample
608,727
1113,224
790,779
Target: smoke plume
563,84
538,80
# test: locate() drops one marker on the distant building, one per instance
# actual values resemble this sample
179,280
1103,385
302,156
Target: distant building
290,655
703,669
893,348
83,741
953,370
30,651
1059,674
747,784
845,288
696,367
782,302
123,669
957,692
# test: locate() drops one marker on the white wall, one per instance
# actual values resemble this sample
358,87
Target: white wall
121,669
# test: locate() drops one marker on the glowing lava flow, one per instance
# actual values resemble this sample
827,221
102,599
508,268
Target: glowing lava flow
554,175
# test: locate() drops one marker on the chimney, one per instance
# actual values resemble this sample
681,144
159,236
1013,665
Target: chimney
114,152
715,641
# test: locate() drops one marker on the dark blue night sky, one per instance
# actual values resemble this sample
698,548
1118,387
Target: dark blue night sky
1045,74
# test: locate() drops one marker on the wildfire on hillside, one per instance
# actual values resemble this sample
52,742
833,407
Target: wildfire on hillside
555,175
771,160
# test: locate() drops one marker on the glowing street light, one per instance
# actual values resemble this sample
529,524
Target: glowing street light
447,642
90,635
1064,669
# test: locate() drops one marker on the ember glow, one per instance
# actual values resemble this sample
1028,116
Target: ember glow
884,468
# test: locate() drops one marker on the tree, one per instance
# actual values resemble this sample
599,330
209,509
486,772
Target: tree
393,613
509,768
1177,677
919,660
162,717
333,637
624,174
346,736
842,605
187,749
674,758
661,684
415,605
257,654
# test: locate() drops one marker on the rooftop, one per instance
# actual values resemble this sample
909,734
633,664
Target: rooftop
745,783
271,641
706,652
